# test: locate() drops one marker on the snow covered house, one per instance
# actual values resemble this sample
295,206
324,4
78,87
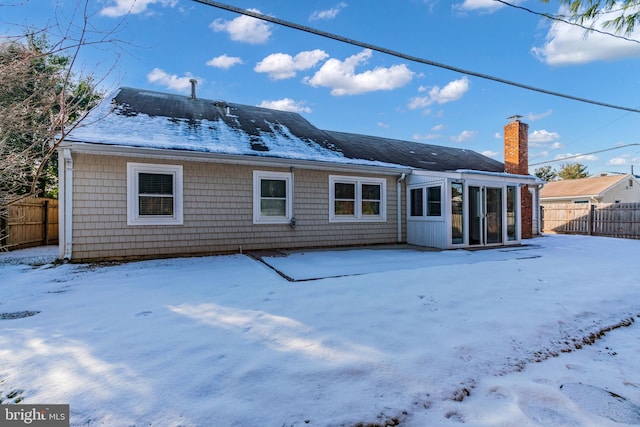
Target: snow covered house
152,174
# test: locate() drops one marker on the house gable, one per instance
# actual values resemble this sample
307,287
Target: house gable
585,188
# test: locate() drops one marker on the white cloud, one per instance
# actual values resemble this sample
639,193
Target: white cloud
576,157
224,61
451,92
556,146
244,28
617,161
383,125
465,135
342,78
438,128
124,7
327,14
286,104
490,153
532,117
283,66
170,81
568,44
419,102
540,138
483,5
624,159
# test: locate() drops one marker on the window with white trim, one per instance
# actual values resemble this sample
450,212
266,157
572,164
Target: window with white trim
154,194
272,197
357,199
425,201
434,201
416,201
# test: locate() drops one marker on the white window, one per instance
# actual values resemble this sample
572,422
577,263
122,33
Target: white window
357,199
272,197
416,203
425,201
154,194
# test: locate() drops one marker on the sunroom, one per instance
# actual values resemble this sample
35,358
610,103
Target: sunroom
468,208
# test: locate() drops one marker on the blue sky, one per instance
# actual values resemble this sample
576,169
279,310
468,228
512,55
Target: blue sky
161,44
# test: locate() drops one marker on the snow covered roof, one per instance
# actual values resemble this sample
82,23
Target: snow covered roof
141,118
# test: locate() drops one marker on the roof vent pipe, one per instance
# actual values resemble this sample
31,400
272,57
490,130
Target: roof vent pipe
193,88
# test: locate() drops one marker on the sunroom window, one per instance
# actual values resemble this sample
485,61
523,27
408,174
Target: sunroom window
425,201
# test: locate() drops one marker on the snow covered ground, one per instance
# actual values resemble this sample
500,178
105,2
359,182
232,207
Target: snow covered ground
497,337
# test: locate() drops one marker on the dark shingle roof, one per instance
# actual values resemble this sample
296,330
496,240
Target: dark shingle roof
413,154
182,122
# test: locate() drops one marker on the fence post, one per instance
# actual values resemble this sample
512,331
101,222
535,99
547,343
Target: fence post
4,233
45,221
592,219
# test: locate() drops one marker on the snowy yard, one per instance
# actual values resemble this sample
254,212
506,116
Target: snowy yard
498,337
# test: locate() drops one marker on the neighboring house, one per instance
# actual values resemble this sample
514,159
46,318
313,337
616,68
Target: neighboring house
152,174
597,189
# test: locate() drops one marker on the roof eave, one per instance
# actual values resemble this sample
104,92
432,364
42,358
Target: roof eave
533,178
239,159
577,196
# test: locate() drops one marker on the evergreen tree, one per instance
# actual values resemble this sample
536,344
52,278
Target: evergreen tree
627,12
572,171
38,100
546,173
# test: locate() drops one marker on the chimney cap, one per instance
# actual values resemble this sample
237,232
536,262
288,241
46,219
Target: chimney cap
514,118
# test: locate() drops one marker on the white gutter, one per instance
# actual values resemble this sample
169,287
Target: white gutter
61,198
463,172
399,195
67,205
293,199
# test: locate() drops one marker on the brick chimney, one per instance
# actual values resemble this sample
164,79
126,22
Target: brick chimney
516,147
516,161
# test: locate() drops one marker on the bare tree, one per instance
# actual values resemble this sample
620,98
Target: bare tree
43,97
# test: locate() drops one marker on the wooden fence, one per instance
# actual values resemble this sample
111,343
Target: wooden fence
602,219
29,222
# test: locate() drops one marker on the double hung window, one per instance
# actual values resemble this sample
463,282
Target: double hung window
272,197
356,199
154,194
425,201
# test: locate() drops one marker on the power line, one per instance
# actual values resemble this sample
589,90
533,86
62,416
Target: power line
565,21
407,57
584,154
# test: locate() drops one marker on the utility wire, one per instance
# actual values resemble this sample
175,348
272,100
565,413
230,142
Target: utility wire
407,57
590,29
560,19
584,154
